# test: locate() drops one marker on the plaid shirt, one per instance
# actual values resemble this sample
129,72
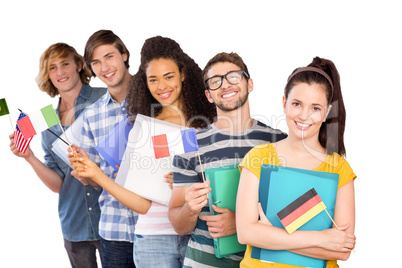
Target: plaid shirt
117,221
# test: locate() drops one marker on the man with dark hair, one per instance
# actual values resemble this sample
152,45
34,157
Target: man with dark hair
222,143
62,72
108,59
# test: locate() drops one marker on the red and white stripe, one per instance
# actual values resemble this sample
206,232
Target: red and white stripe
20,142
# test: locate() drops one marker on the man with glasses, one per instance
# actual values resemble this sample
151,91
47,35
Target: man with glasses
225,142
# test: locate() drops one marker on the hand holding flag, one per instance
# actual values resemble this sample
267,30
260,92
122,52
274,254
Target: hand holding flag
19,141
78,157
303,209
86,171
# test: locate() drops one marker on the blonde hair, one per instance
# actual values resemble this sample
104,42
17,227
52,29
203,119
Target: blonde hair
59,51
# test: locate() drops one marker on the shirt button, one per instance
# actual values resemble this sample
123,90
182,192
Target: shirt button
89,209
88,194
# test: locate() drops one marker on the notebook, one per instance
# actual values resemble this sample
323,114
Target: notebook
279,186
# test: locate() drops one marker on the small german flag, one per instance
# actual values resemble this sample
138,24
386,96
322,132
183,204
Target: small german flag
300,211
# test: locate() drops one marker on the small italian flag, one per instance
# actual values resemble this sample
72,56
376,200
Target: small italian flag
38,121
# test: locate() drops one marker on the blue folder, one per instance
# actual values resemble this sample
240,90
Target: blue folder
224,184
279,186
113,146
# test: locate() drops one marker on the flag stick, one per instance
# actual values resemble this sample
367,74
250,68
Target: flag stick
57,136
202,170
332,220
69,144
11,123
335,224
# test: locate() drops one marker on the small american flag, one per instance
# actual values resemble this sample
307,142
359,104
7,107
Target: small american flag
19,141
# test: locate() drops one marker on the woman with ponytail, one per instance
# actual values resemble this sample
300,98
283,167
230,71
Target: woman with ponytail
315,114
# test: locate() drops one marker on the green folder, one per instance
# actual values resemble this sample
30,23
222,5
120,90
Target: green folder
224,184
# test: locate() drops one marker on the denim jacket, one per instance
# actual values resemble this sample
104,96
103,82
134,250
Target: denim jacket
79,210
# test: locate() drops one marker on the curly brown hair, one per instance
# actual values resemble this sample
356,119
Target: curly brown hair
198,111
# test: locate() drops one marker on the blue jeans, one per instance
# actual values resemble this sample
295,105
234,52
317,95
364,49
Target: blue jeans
117,254
161,251
82,254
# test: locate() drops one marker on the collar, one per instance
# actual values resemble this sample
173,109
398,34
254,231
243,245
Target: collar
109,99
85,92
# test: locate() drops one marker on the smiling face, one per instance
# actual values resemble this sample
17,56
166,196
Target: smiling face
109,65
228,97
64,74
164,81
306,108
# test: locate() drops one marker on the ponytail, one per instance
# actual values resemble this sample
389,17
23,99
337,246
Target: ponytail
323,72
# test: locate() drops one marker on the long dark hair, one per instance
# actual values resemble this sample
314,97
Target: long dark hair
198,111
332,130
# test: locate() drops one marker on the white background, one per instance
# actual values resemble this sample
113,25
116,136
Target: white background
363,38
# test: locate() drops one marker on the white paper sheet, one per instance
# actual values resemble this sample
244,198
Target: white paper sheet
140,172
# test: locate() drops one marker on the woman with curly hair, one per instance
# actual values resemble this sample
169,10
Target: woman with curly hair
187,105
168,86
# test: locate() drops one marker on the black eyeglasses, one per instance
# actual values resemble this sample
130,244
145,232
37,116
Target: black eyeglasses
233,78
